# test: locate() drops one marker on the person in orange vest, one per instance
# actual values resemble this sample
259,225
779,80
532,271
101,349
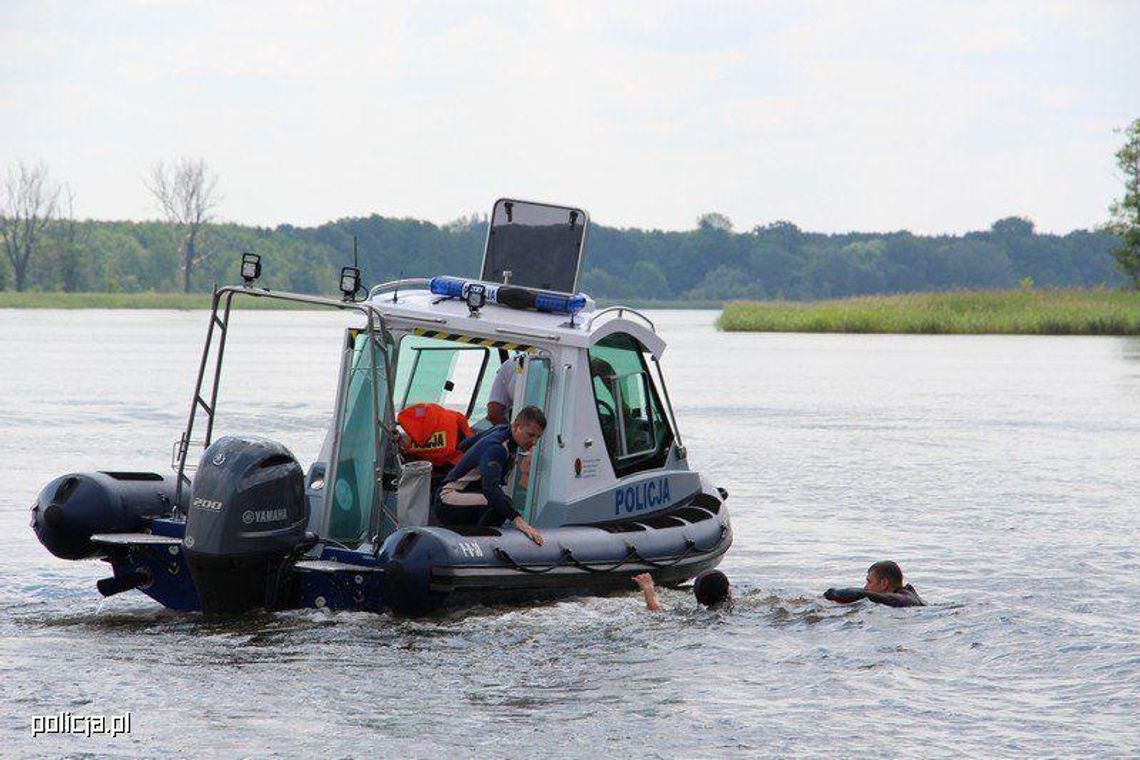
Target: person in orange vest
432,433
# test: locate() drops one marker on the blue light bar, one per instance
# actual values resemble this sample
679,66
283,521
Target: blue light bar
447,286
511,296
558,304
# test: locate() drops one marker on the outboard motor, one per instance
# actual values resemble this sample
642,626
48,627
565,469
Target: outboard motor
247,516
74,507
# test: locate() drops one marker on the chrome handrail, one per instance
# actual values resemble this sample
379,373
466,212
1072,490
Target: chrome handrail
394,285
620,310
410,318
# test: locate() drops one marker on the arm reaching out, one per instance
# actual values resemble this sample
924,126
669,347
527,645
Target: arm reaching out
890,599
844,595
644,582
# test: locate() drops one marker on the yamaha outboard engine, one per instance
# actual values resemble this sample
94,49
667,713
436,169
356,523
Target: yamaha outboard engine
247,516
74,507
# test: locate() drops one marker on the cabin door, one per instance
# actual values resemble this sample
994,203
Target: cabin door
532,470
356,500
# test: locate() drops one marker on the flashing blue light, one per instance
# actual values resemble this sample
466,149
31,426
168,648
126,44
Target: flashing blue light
559,304
513,297
447,286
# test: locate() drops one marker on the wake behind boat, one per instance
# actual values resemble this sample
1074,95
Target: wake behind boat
608,484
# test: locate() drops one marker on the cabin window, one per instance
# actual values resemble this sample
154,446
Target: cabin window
636,433
447,373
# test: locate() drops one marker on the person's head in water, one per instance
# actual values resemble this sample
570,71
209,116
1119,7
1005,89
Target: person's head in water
711,588
528,426
884,577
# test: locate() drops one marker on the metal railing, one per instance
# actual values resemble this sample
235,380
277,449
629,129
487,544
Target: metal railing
620,310
392,286
223,297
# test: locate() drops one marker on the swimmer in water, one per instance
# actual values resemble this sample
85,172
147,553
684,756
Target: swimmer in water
884,586
710,588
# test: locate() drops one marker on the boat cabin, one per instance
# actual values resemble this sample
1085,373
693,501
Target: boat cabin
611,449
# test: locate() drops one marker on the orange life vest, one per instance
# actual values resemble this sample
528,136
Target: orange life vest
434,433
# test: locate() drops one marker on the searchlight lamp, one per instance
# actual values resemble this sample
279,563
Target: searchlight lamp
349,282
250,267
476,296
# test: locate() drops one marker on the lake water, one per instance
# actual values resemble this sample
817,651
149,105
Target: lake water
1003,473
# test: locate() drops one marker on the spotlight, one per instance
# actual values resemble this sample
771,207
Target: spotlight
250,267
349,282
476,297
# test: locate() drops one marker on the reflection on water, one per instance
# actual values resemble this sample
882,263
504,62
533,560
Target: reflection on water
1130,349
999,471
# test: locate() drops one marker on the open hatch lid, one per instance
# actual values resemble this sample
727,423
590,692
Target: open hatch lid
539,244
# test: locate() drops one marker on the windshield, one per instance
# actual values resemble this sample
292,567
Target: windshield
453,375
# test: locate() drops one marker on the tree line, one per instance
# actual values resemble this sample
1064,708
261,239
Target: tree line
774,261
49,250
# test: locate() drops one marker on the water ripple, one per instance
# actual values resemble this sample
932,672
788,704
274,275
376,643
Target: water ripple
1001,473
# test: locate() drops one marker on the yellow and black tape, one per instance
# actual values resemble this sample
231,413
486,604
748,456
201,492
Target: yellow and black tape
472,340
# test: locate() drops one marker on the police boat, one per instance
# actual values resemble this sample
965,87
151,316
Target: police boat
241,525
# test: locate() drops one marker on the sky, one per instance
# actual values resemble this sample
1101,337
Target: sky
871,116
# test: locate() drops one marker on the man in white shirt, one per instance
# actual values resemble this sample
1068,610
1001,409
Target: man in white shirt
502,396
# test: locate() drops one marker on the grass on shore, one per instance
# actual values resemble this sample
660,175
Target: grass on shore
1027,312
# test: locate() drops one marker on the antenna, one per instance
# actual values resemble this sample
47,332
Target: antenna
396,292
350,276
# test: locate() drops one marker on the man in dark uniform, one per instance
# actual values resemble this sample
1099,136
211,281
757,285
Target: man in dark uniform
472,492
884,586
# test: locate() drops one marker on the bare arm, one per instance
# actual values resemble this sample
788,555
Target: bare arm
644,582
531,532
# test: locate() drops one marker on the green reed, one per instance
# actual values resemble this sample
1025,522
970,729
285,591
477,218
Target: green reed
1029,312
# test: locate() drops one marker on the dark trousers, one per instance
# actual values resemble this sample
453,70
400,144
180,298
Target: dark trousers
451,515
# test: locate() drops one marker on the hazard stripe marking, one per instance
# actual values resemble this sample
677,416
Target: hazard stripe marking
471,340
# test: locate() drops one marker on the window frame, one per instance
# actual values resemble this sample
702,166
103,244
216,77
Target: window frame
628,463
539,453
619,398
